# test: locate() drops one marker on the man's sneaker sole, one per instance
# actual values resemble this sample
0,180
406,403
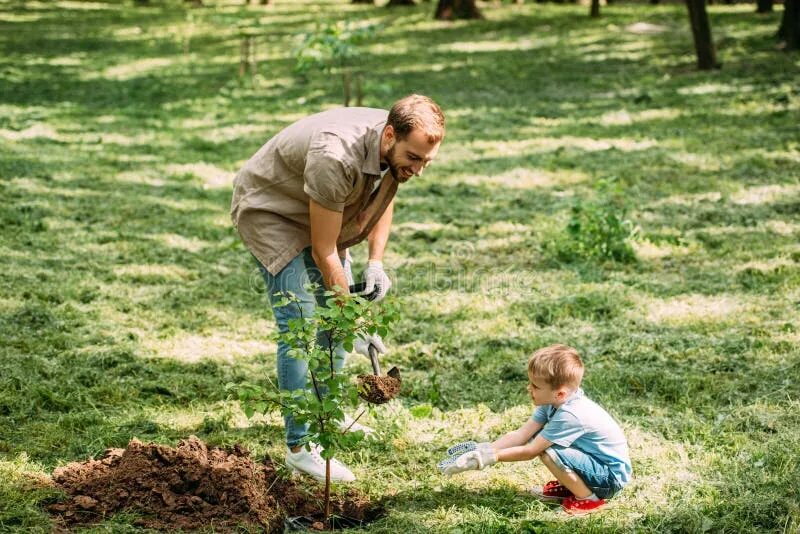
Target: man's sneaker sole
297,472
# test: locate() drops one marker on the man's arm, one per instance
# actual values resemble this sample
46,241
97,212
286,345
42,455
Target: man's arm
325,228
379,235
519,436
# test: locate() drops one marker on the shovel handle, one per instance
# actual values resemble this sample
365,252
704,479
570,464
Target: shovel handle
373,357
358,289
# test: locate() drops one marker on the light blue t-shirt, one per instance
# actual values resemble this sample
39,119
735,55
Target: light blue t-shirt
582,424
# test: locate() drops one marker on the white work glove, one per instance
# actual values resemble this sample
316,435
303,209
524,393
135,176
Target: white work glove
466,446
348,270
375,276
361,344
477,459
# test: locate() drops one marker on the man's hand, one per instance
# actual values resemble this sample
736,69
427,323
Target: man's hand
477,459
361,344
375,276
348,270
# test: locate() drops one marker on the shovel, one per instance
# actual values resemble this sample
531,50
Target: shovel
374,388
377,389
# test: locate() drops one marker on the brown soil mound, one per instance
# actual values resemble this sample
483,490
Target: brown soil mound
380,389
189,487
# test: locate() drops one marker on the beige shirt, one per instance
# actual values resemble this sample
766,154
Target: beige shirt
332,157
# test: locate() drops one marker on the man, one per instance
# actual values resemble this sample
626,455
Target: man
320,186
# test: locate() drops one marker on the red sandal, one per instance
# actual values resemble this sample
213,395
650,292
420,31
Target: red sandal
553,491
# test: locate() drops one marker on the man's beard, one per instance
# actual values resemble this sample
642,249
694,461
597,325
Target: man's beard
393,168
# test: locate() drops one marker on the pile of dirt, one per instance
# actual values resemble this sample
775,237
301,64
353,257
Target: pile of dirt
380,389
191,486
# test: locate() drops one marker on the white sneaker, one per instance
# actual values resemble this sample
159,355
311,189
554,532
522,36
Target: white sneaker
311,463
347,421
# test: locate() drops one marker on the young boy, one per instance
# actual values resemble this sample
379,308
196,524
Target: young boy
577,440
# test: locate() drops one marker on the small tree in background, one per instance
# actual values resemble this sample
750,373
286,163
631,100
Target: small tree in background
335,47
328,392
598,229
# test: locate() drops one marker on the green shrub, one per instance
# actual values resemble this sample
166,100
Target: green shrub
598,229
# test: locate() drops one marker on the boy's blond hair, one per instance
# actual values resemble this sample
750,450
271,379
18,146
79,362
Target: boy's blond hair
557,365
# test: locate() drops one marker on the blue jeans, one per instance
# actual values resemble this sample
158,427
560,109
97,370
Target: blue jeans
597,476
293,373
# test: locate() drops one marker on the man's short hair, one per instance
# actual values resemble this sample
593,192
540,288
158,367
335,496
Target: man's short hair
557,365
417,111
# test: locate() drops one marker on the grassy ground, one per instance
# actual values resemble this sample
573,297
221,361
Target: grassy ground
127,301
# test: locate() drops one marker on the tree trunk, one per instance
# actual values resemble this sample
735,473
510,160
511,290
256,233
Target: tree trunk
327,489
789,31
701,31
346,85
393,3
359,89
763,6
244,55
363,2
457,9
594,9
655,2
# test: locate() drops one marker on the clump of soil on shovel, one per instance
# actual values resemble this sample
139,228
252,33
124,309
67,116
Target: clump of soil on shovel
192,486
379,389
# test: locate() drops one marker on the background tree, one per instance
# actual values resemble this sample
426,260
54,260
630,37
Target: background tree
594,8
335,47
701,31
457,9
372,2
393,3
789,31
764,6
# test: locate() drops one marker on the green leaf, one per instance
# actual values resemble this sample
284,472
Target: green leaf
421,411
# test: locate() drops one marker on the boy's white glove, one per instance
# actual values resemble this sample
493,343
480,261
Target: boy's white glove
375,276
477,459
466,446
361,344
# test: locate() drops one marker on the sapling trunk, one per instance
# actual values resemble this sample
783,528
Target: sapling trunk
327,489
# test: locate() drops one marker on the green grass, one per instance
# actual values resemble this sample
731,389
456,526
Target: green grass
127,301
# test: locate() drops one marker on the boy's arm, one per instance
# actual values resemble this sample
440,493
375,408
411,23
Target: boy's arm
519,436
508,448
523,452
